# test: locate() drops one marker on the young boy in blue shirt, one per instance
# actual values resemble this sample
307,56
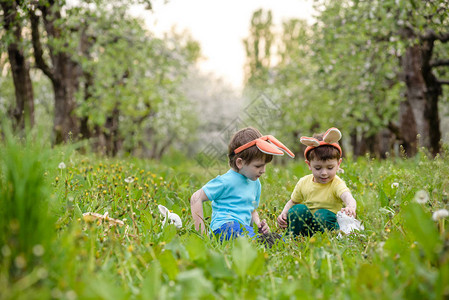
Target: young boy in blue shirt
235,195
319,196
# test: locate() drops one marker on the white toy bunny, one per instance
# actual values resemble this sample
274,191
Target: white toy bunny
348,224
172,217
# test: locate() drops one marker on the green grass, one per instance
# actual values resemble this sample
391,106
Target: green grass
48,250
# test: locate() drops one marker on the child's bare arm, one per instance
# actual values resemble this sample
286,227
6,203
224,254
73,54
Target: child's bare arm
196,206
261,225
350,204
282,218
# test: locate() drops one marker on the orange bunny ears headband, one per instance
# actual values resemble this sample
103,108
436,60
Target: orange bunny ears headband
267,144
330,138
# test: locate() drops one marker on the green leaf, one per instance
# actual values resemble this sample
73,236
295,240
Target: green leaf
168,233
103,288
243,256
258,265
383,198
217,266
169,264
196,248
138,194
193,285
146,220
369,276
77,211
422,227
152,282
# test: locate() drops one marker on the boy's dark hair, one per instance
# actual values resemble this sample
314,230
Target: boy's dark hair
240,138
324,152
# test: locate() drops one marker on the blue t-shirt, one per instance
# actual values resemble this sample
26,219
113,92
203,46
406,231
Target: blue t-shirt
234,197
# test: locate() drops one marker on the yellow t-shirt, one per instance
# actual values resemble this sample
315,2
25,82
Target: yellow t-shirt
318,195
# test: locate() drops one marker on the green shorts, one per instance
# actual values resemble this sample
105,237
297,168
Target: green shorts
301,220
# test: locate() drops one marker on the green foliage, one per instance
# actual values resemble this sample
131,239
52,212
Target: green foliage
7,95
344,70
258,47
425,233
95,259
26,206
139,89
128,83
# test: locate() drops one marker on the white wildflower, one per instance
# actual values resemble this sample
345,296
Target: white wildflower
62,165
56,293
6,251
340,170
129,179
42,273
380,247
71,295
421,197
38,250
440,214
20,262
394,185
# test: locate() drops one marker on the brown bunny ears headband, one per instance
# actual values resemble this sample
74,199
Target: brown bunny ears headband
330,138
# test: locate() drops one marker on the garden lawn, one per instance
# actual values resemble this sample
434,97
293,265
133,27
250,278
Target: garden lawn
50,250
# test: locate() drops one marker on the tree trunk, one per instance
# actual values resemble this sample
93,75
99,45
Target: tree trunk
383,143
407,129
107,139
86,43
66,125
20,68
419,113
356,145
165,147
111,132
63,72
376,145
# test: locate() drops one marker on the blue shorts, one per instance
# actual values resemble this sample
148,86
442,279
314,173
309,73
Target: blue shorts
231,230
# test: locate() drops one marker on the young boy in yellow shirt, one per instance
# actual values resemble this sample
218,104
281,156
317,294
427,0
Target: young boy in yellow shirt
319,196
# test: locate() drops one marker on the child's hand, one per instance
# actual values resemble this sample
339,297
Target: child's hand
263,227
349,211
350,204
282,220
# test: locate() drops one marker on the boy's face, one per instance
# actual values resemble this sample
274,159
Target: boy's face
253,170
324,171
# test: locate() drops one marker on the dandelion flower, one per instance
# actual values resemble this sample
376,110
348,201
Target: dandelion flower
421,197
62,165
129,179
20,262
440,214
6,251
38,250
394,185
42,273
